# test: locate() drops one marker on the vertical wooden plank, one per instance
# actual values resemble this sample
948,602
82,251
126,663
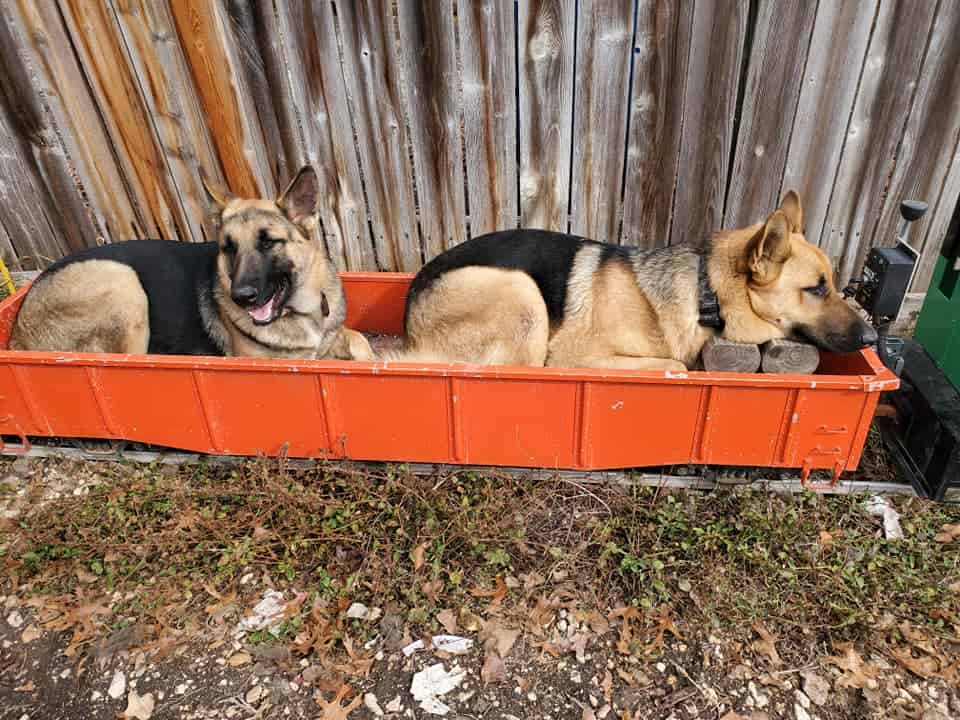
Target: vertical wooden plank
372,76
929,143
546,40
780,43
252,37
429,61
837,53
319,101
876,128
604,50
661,56
168,92
942,214
488,51
75,120
709,106
27,217
100,49
204,35
9,253
31,121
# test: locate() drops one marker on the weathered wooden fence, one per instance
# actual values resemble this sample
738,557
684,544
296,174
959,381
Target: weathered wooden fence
643,122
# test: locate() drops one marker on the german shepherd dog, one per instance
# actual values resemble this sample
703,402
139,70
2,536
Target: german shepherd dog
533,297
264,288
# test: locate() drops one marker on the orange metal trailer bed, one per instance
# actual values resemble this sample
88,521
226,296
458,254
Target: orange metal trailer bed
509,416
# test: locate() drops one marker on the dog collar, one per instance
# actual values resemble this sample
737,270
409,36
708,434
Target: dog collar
707,298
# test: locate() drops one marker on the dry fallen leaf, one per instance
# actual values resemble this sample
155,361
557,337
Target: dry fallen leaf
448,620
239,659
826,539
496,596
856,672
30,633
494,670
469,621
333,710
607,686
949,534
924,666
418,555
597,622
532,581
664,624
767,644
496,637
733,716
432,590
139,707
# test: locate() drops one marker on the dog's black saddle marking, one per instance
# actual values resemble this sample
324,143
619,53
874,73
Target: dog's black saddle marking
708,301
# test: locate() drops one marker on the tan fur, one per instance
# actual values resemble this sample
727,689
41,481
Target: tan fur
639,314
90,306
456,328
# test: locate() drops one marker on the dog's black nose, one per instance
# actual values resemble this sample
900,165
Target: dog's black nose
243,294
868,336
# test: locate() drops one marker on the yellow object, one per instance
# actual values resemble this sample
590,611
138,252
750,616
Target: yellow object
7,280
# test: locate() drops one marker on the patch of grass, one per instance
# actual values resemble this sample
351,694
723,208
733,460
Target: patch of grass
724,557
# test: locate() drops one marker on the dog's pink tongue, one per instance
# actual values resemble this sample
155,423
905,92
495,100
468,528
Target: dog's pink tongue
262,313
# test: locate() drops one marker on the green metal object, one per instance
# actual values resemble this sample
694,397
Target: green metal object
938,325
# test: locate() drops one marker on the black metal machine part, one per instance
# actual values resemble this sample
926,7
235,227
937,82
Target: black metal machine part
883,285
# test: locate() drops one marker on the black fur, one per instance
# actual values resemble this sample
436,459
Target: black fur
175,275
545,256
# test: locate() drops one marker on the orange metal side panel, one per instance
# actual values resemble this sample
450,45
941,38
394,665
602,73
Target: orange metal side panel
259,412
510,422
633,425
153,405
61,400
826,424
375,301
743,425
389,418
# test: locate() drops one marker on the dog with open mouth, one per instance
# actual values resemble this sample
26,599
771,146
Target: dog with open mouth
264,288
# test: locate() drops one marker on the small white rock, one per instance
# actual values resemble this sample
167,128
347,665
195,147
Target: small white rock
118,685
661,667
96,696
255,694
800,712
181,689
370,703
803,700
15,619
358,611
395,705
65,674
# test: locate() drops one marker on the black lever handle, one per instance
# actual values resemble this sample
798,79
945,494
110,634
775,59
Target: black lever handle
912,210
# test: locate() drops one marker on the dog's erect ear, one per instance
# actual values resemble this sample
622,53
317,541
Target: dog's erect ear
301,200
217,195
793,210
769,249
